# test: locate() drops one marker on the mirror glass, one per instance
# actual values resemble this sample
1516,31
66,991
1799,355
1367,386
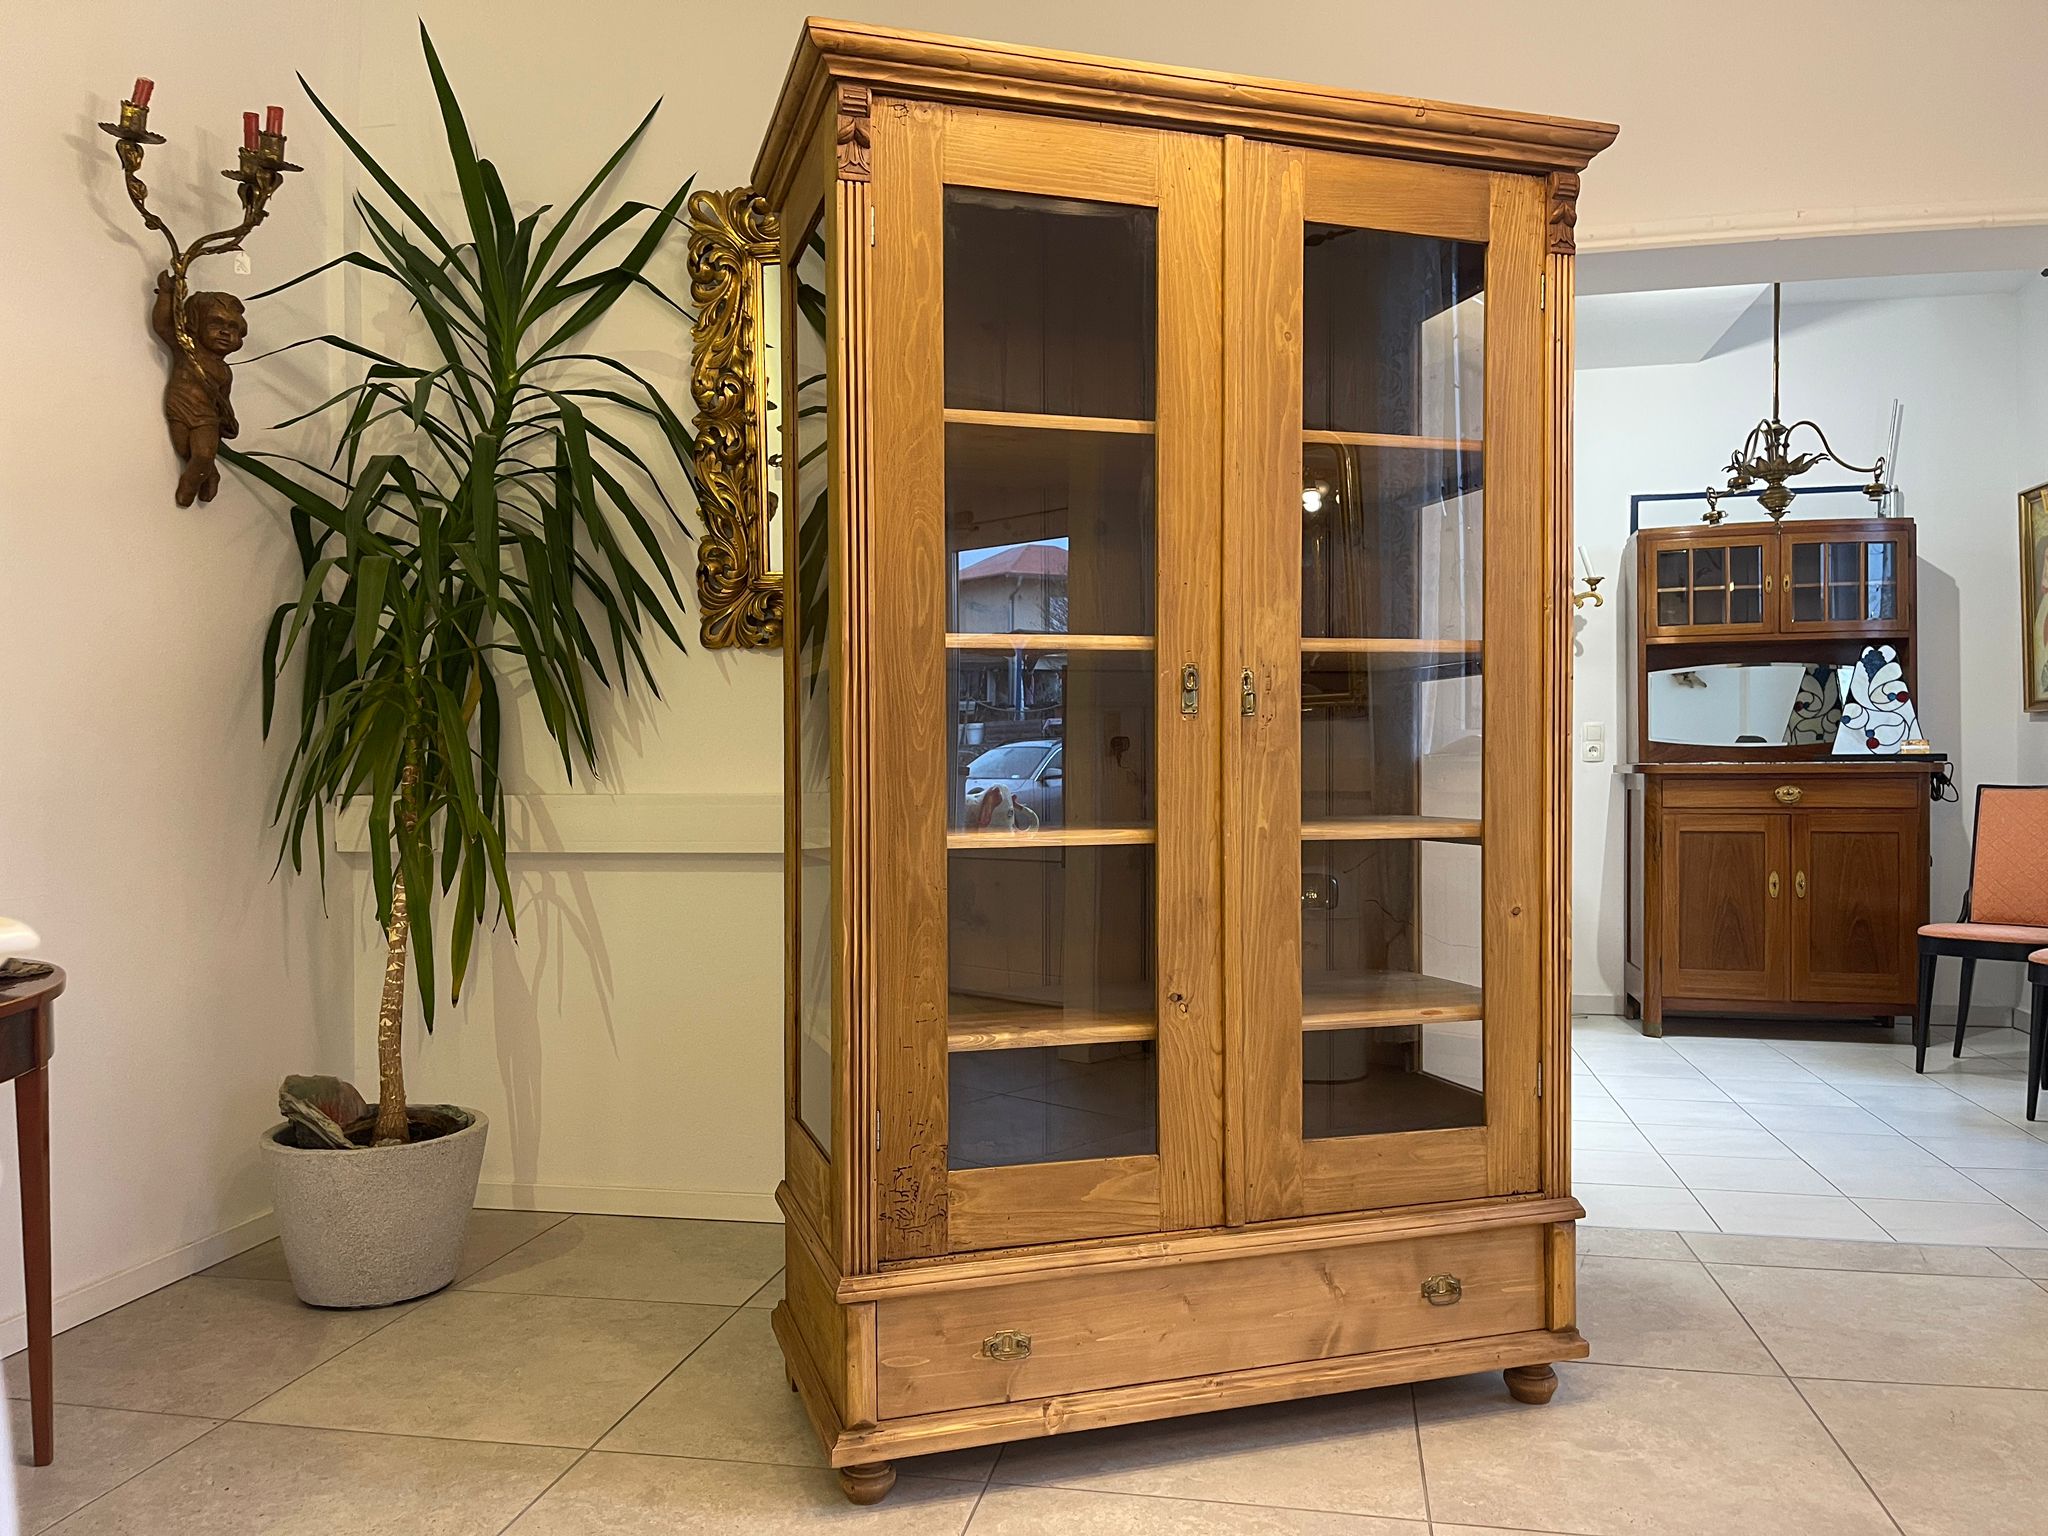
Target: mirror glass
1760,704
768,391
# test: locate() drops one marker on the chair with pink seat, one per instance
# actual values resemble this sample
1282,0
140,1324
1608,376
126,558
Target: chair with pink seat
2005,910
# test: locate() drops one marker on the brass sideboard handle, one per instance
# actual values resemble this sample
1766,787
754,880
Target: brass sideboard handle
1442,1290
1774,883
1789,794
1007,1345
1799,883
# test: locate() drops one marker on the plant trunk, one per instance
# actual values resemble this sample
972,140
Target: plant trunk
391,1120
391,1123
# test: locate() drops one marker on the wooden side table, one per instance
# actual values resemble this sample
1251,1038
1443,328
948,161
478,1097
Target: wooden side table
27,1041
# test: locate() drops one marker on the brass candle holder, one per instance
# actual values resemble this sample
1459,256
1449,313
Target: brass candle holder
200,329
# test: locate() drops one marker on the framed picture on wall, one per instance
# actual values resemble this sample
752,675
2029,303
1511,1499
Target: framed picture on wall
2034,592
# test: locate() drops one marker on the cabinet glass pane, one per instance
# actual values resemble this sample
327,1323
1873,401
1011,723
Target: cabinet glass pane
1053,944
1051,305
1053,1104
1049,532
1392,706
1051,313
811,278
1045,740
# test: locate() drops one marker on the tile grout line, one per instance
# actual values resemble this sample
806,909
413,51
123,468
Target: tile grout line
1421,1458
553,1483
124,1482
1787,1376
663,1379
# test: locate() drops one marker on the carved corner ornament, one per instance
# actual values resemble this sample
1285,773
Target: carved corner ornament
739,594
856,104
1564,213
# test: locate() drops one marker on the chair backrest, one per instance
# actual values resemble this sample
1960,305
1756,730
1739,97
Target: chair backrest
2009,859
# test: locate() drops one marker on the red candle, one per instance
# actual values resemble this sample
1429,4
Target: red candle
273,120
143,86
248,130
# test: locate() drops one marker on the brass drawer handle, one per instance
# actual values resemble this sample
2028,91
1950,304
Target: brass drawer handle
1442,1290
1007,1345
1788,794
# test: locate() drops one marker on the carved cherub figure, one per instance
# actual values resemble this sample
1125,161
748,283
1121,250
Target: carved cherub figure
196,402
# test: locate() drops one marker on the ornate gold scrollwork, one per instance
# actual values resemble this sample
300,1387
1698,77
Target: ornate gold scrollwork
733,236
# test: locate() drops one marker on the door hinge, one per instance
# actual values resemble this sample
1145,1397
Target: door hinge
871,223
1539,1079
878,1130
1542,287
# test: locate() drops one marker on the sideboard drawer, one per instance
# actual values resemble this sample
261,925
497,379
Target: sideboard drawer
1856,790
1068,1333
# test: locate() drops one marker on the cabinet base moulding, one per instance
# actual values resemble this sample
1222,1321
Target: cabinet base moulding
1529,1353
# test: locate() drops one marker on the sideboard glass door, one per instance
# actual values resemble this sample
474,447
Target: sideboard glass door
1391,599
1063,410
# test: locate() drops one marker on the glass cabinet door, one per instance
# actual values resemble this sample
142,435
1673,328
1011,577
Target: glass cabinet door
1047,434
1390,564
1712,586
1842,581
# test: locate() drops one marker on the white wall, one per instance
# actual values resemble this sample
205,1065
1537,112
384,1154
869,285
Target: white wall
2031,465
626,1048
1952,362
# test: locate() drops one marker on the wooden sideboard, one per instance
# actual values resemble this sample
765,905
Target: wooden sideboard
1767,876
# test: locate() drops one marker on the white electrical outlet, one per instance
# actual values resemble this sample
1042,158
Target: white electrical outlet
1593,741
242,267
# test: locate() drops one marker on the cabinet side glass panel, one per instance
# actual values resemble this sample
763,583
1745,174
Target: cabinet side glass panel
1392,642
1051,339
808,478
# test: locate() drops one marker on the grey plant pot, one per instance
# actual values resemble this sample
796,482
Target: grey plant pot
375,1225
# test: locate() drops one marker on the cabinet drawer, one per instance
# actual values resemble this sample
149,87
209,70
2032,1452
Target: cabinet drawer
1796,792
945,1350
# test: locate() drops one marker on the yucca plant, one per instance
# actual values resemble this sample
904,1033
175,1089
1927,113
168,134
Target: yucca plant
481,521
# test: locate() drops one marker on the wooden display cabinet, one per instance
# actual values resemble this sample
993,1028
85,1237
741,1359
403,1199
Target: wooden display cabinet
1178,672
1767,876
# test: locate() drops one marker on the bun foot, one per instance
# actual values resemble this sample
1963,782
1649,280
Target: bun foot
868,1484
1531,1383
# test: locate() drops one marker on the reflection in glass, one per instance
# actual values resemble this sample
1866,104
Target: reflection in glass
1049,739
1393,329
1392,543
1848,581
813,616
1053,1104
1051,305
768,375
1390,735
1049,532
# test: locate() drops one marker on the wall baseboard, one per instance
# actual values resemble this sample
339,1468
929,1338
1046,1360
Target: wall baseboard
102,1296
627,1200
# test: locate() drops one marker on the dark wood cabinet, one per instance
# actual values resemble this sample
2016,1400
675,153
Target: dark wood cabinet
1754,891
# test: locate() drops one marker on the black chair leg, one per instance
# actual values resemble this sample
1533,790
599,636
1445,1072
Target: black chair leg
2037,1031
1921,1013
1963,1003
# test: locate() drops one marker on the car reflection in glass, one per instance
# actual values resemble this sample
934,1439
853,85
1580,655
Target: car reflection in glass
1027,772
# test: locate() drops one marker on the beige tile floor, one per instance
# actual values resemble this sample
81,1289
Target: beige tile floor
1738,1383
603,1376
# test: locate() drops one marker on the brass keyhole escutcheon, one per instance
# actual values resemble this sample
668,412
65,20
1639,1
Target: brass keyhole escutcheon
1774,883
1442,1290
1799,884
1788,794
1190,690
1007,1345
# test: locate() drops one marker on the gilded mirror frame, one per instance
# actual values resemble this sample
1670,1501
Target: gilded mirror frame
733,253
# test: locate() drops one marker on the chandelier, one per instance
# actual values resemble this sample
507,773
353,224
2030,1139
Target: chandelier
1766,454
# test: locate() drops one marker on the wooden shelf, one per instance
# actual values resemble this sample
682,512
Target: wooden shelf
1370,829
1389,440
1383,646
1046,642
1035,421
1383,999
1052,837
1002,1024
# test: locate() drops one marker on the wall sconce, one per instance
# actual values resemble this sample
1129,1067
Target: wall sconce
1592,593
201,329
